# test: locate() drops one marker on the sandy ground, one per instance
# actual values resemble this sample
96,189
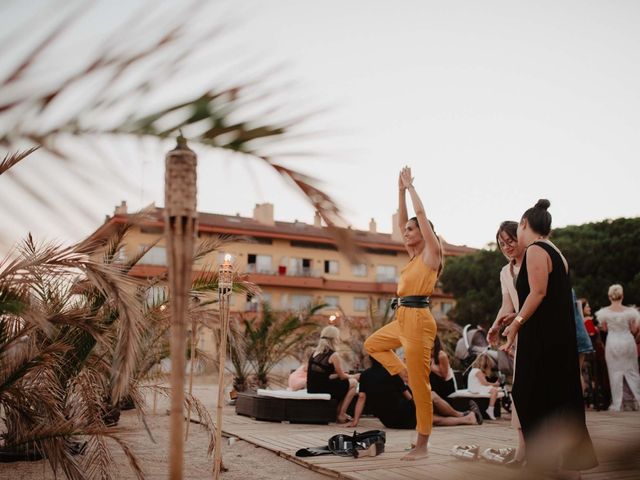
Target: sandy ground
243,460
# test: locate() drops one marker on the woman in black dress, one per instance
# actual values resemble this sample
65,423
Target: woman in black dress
325,373
441,376
546,391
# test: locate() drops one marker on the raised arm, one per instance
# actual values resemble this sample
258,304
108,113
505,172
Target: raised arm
432,255
403,218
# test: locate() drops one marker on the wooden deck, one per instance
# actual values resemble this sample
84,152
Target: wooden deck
616,438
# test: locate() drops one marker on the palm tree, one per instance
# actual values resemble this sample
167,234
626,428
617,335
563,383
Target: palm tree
52,382
275,337
69,319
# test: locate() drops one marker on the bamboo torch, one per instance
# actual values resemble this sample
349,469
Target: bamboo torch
180,218
225,285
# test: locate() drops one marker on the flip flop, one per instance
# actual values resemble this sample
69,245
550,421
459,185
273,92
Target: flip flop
473,406
465,452
498,455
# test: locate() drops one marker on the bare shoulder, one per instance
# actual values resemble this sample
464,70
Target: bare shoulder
536,253
430,259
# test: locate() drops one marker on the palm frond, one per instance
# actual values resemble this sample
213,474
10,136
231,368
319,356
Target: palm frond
11,159
219,116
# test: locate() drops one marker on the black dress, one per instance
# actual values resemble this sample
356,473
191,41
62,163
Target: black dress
547,391
318,381
385,398
442,387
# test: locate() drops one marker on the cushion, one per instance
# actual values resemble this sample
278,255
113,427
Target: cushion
465,393
297,395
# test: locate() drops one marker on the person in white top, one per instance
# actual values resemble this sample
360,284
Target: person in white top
621,324
507,241
477,382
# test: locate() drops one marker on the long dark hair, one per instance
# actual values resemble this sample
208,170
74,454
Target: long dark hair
437,348
441,250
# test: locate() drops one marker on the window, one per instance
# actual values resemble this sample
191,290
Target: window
332,267
300,302
259,263
331,300
284,301
266,298
155,256
300,267
318,246
156,295
251,304
359,270
253,301
360,304
386,273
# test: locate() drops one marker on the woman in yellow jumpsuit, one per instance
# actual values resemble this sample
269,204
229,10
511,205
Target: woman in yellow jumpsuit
414,328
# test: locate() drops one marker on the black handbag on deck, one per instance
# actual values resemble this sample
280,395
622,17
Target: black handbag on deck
369,443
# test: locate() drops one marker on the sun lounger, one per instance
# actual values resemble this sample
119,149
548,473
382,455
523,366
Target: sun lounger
284,405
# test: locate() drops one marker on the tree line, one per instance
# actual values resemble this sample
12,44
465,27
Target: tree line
599,254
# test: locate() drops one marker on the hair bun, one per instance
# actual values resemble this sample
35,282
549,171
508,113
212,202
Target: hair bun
543,203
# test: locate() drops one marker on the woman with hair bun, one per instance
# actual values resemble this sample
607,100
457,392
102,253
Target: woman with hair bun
621,324
546,390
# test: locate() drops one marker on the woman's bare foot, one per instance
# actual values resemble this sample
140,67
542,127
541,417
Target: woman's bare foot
416,453
344,418
470,419
419,450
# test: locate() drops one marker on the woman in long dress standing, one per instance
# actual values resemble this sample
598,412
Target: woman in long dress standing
621,324
414,328
547,391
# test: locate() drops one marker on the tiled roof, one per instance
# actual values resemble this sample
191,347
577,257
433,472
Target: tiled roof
249,226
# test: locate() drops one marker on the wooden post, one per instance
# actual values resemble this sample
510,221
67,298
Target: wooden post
225,287
180,217
192,357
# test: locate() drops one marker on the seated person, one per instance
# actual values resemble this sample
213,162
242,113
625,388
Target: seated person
390,399
481,368
298,378
326,375
441,376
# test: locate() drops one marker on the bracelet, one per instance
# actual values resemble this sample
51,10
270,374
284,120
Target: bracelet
520,320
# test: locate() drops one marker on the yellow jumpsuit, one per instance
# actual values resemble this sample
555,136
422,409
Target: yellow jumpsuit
414,329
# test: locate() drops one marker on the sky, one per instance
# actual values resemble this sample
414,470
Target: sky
493,104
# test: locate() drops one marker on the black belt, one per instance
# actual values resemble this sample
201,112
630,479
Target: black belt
414,301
